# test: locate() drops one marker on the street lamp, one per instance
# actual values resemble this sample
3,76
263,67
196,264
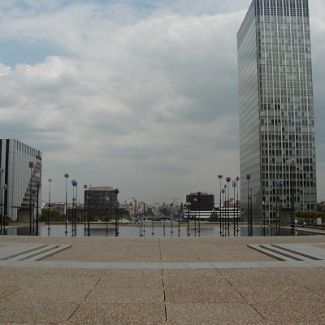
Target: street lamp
223,191
278,182
74,213
116,215
234,185
237,202
31,166
49,209
180,213
228,180
38,185
66,176
195,200
220,177
2,171
199,204
292,163
188,207
249,208
171,214
106,199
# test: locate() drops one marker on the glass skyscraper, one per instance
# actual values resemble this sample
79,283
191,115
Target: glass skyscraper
277,138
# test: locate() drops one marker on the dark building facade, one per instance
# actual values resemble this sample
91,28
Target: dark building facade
200,201
101,202
276,116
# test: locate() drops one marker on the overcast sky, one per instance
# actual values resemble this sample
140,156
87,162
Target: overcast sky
137,94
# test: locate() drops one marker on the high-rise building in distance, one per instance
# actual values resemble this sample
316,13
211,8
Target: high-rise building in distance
20,179
277,138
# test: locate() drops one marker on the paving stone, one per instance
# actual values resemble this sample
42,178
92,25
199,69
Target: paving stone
125,295
132,279
120,314
230,313
36,311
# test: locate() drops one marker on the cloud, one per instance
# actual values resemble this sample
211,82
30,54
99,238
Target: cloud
142,97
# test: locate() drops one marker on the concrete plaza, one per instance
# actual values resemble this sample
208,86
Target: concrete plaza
160,281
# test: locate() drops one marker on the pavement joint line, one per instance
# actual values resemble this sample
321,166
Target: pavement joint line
162,265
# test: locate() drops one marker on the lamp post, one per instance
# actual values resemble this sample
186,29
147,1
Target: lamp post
278,182
195,200
228,180
220,177
171,214
234,184
249,221
85,214
237,208
199,205
106,198
292,163
49,209
2,171
188,208
180,213
66,176
116,215
74,204
223,191
38,186
31,166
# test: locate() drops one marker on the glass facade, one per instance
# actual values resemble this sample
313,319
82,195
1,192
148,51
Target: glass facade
277,138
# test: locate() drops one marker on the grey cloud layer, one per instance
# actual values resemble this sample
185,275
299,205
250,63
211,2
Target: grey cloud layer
144,100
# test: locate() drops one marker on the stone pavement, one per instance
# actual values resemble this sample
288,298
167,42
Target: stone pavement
249,288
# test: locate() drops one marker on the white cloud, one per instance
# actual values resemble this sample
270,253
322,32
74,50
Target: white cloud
144,102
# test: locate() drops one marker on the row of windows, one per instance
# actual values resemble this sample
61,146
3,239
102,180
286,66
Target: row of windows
282,8
272,122
286,144
292,137
282,25
283,112
272,160
285,152
285,168
293,184
271,99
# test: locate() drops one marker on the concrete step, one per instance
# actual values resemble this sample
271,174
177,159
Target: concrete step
14,251
285,253
40,253
307,251
267,252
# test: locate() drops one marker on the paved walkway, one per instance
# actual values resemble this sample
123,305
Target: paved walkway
161,281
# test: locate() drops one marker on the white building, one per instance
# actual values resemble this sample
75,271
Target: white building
20,176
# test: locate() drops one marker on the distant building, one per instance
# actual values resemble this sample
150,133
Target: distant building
200,201
101,202
20,178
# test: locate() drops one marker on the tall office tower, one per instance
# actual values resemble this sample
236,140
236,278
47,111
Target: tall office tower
20,177
277,139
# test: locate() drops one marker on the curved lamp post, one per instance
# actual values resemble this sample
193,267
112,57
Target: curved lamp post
228,180
2,171
66,176
220,177
106,199
31,166
188,208
237,205
38,186
116,215
49,209
74,202
249,207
